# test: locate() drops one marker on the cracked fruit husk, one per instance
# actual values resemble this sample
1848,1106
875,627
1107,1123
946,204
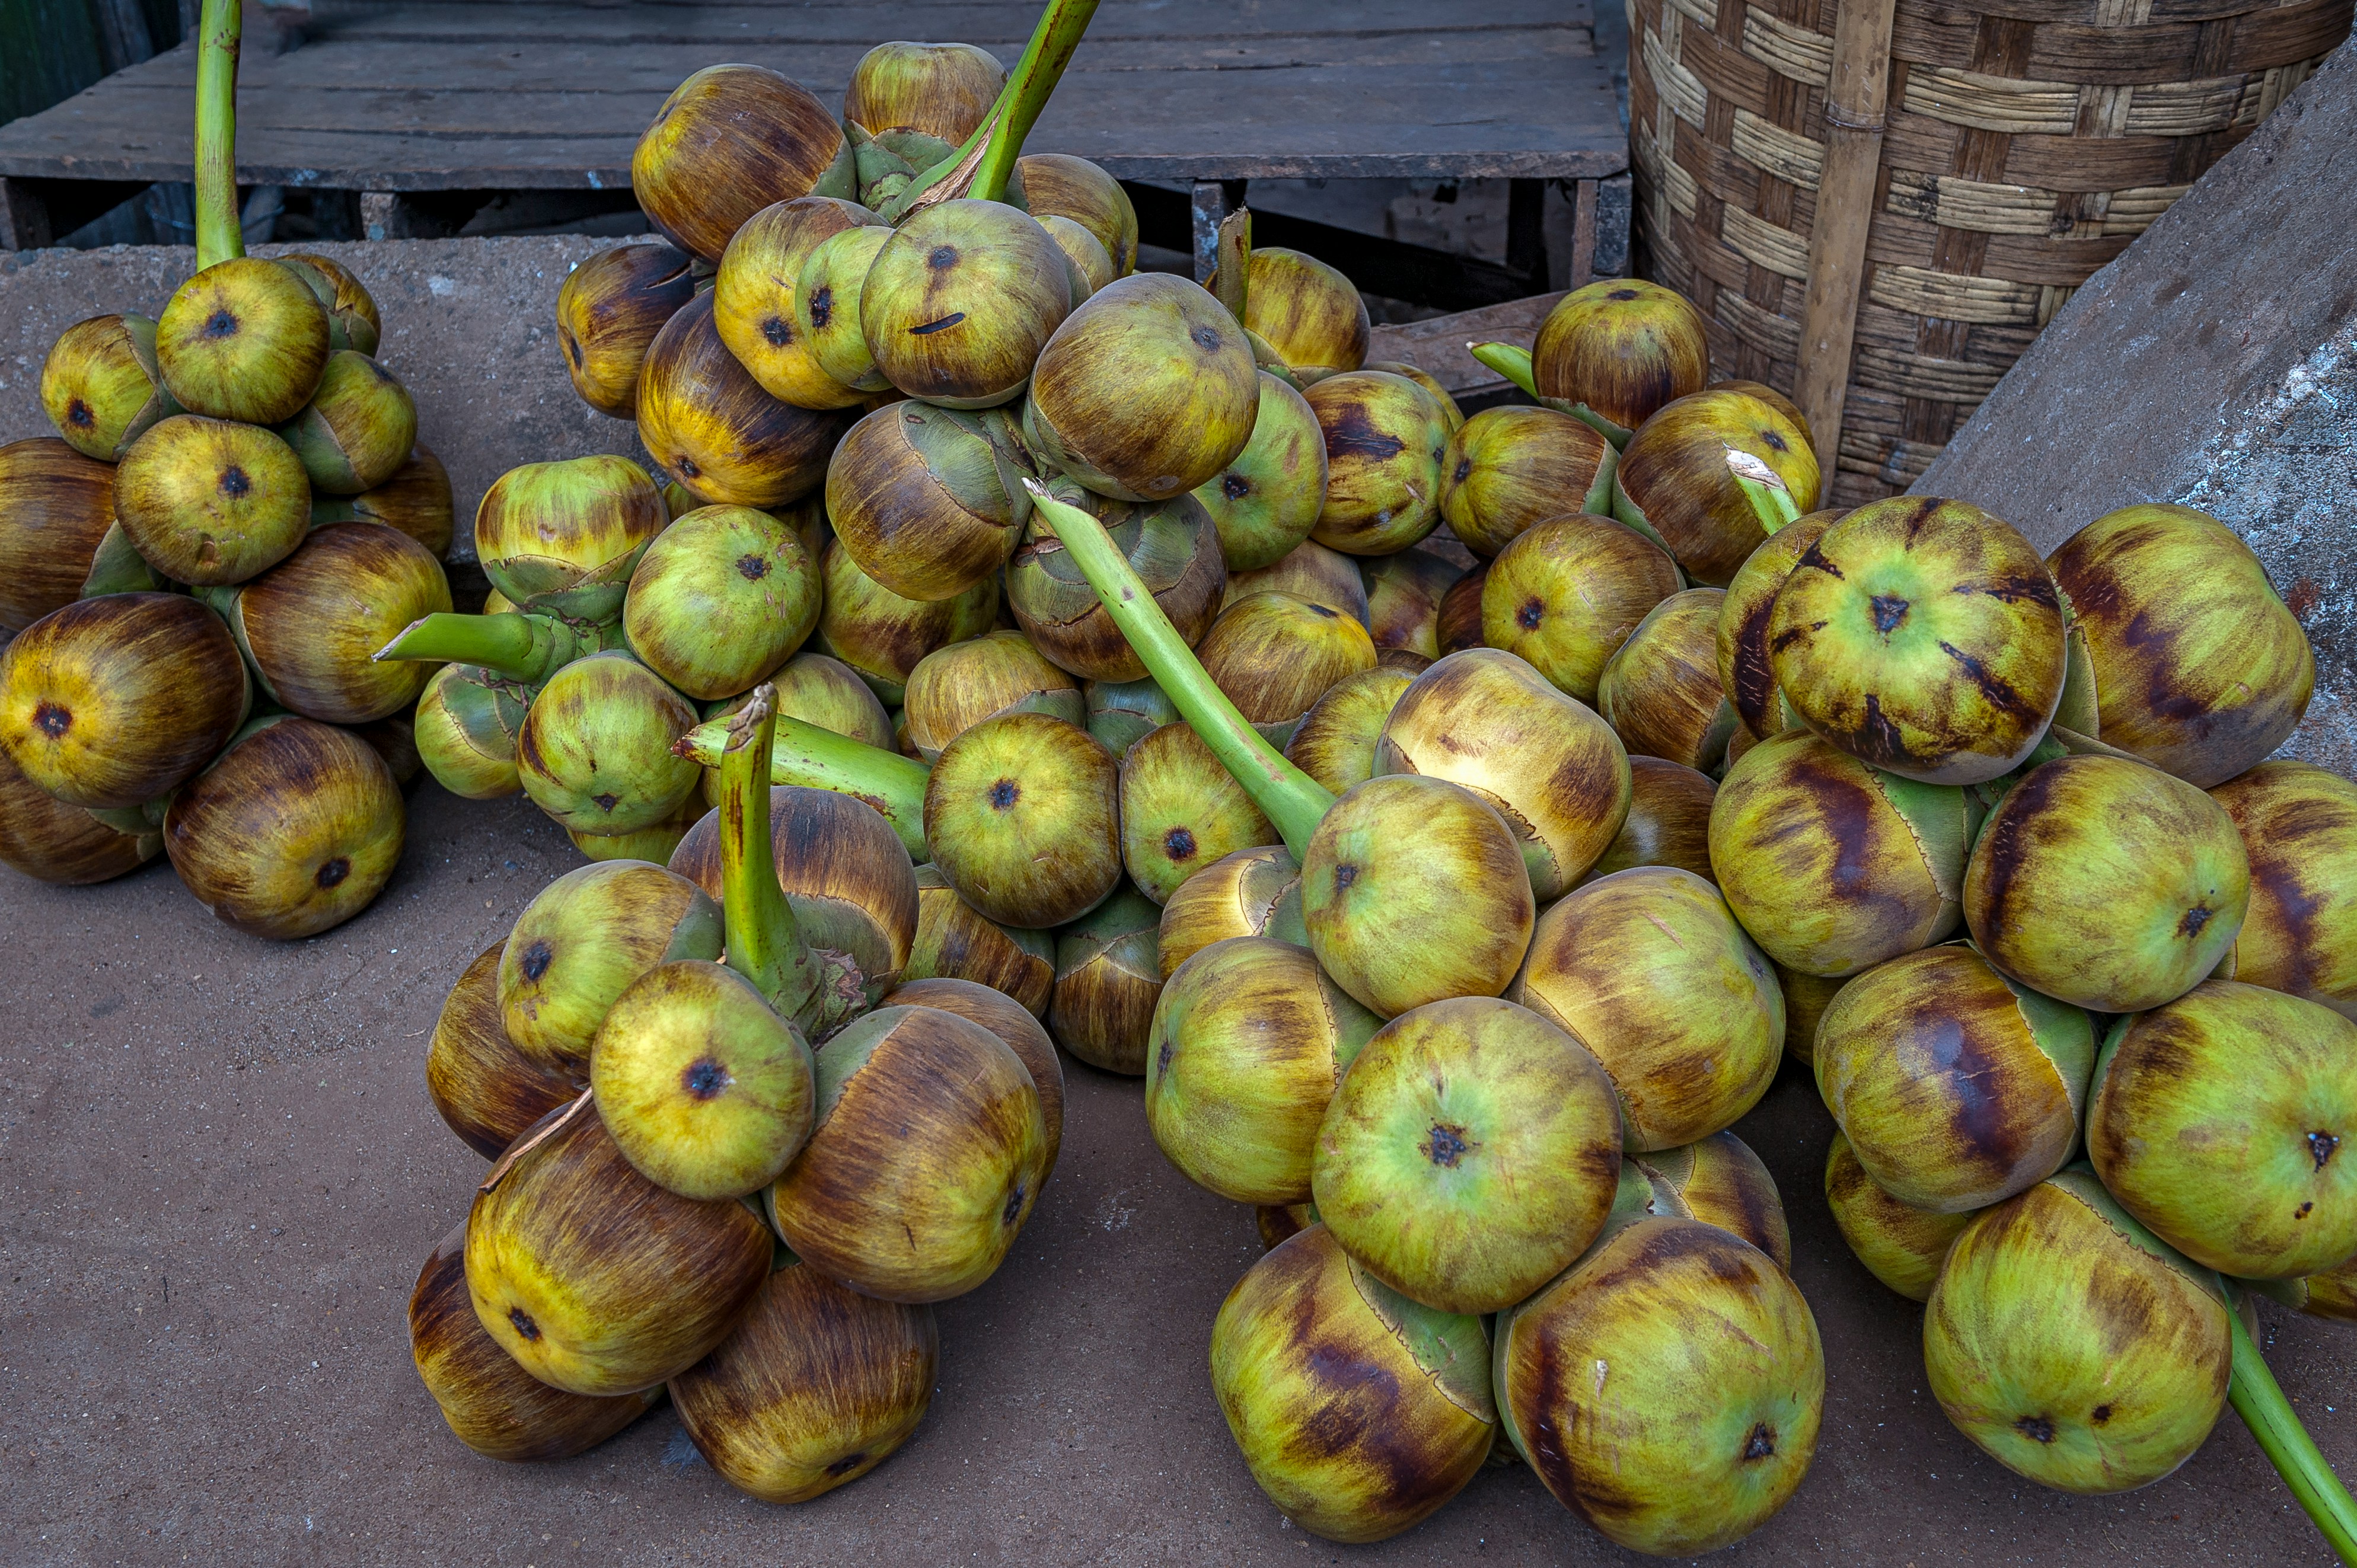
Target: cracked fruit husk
1307,311
1660,689
708,424
100,385
1014,1025
1182,811
1508,469
2298,824
1618,351
1673,482
564,537
1745,672
1252,893
1386,439
49,841
930,501
56,507
581,941
756,305
596,1280
1337,740
957,942
1108,979
881,636
960,301
1668,823
729,141
1565,596
1900,1244
1274,654
721,597
1358,1412
312,624
1405,593
608,310
930,1150
296,828
595,749
2106,883
243,340
352,319
954,688
210,501
416,499
487,1091
1022,812
468,719
1059,184
358,428
1170,544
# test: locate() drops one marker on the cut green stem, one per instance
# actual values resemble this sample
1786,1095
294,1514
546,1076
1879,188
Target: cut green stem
814,758
764,944
1509,362
2259,1399
982,167
219,236
1772,504
526,648
1290,799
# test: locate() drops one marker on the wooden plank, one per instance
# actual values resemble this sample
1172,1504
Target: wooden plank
1437,346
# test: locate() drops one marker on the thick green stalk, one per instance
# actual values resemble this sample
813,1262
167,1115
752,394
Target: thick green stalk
814,758
764,944
1290,799
1509,362
1772,502
219,236
982,167
2259,1399
526,648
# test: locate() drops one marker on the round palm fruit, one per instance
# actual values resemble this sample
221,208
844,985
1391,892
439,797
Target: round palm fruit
1458,626
416,499
2106,883
721,598
1274,655
2181,651
56,507
1668,1387
1309,571
1413,891
1092,267
1660,689
358,428
493,1405
729,141
312,624
487,1091
595,749
1807,998
656,843
2299,825
1921,636
1673,481
1648,968
1248,1039
1181,811
608,310
954,688
1772,398
295,828
943,90
1900,1244
883,637
1957,1086
1173,548
1745,672
1404,597
955,940
707,422
1551,767
1107,982
563,538
100,385
1719,1181
1014,1025
581,941
1668,821
1268,498
1619,349
1438,393
1120,712
1566,594
211,502
468,719
2331,1295
2072,1345
757,302
930,501
1148,389
1358,1411
826,295
352,319
815,1386
2217,1120
1469,1154
1833,867
930,1150
596,1280
1252,893
44,838
1385,440
110,702
961,300
1059,185
243,340
1509,469
1022,812
1308,312
1336,740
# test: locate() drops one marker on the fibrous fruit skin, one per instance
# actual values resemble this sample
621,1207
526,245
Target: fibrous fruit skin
1668,823
2298,824
1623,348
1273,655
1266,500
961,300
466,724
1745,672
827,290
708,424
1660,689
1719,1181
1023,814
100,385
565,537
1108,978
358,428
243,340
1405,593
1900,1244
1386,439
721,598
56,506
352,319
1358,1412
883,637
607,310
1566,594
1307,311
1181,811
1673,479
1508,469
757,304
1176,553
1309,571
1059,184
1014,1025
958,942
943,89
582,940
731,140
1458,625
595,751
44,838
2106,883
211,502
311,623
954,688
486,1091
416,500
1252,893
2182,650
930,501
1337,740
2074,1346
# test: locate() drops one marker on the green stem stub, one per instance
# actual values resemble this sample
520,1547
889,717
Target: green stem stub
1509,362
219,236
2259,1399
982,167
814,758
519,646
764,944
1772,504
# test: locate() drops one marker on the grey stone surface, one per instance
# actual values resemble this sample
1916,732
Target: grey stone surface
2214,364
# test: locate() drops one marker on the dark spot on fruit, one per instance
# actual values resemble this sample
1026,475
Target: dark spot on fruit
704,1077
77,413
1178,845
822,308
1622,294
1235,487
1206,339
777,332
942,258
1529,614
1004,793
1877,738
234,481
1761,1444
1445,1145
2037,1428
573,349
2301,1212
687,466
847,1464
943,324
221,324
535,960
1816,558
1464,467
523,1322
1774,440
1329,615
606,802
334,871
1890,609
1013,1205
1993,689
1344,875
53,720
2190,926
1354,436
2321,1144
2099,1415
1162,1057
752,568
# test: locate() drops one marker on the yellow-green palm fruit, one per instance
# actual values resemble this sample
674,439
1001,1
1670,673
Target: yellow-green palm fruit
883,637
1022,812
595,749
826,295
709,424
1059,184
961,300
211,502
2298,824
1107,982
608,309
1900,1244
1273,654
756,301
957,942
956,687
1673,482
1337,740
930,501
1668,824
352,319
564,537
1566,594
943,90
1268,498
1091,268
358,428
1182,811
1172,546
467,723
1744,672
416,499
1309,571
1616,350
729,141
1719,1181
1119,712
1307,311
1252,893
1660,689
721,597
100,386
581,941
1405,593
1509,469
243,340
1385,440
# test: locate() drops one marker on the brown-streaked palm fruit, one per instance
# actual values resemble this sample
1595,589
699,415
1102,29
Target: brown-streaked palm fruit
2298,824
243,340
1551,767
564,537
955,940
1091,266
1650,970
1833,867
352,319
1013,1024
707,422
1252,893
1108,978
608,310
1721,1181
1148,389
468,719
1385,440
943,89
1059,184
312,623
815,1387
1569,592
1921,636
56,506
2072,1345
720,598
930,1149
729,141
960,301
1405,593
1957,1086
826,295
1807,998
1306,310
1119,712
110,702
595,749
487,1091
358,428
1170,544
416,499
2106,883
49,841
1336,741
210,501
1424,379
1023,817
595,1279
1509,469
1274,655
1470,1154
2181,651
100,385
1673,481
954,688
930,501
581,941
657,844
1182,811
1459,625
493,1405
1772,398
756,302
296,828
1744,672
1668,823
1618,351
1900,1244
1309,571
2217,1119
881,636
1660,689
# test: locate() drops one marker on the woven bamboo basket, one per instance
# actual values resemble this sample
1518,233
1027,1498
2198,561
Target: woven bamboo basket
1974,165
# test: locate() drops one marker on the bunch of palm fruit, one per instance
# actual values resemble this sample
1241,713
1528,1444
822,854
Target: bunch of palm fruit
234,513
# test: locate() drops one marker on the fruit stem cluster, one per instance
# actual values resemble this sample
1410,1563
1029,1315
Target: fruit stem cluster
219,236
764,944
